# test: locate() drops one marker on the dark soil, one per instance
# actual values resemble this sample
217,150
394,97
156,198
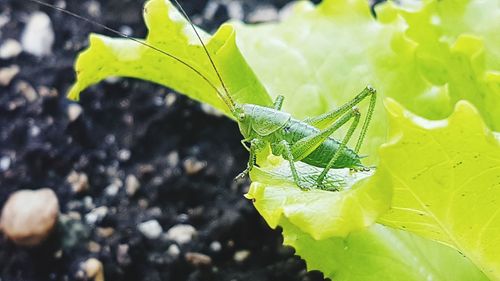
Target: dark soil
127,128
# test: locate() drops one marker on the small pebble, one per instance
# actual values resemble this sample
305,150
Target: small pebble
198,259
241,256
47,92
210,110
94,9
215,246
182,218
124,154
26,90
105,232
7,74
79,182
235,10
181,233
127,30
74,111
193,166
96,215
88,203
58,254
4,163
10,49
4,19
150,229
173,158
173,250
93,247
93,269
170,99
113,189
38,36
132,185
264,13
29,216
122,255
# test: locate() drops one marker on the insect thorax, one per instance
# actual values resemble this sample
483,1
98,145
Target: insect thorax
262,121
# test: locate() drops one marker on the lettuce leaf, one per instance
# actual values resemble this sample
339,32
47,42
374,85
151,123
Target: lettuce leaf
446,187
171,33
380,253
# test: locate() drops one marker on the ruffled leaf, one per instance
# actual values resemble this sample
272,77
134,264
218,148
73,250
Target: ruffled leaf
446,182
380,253
170,32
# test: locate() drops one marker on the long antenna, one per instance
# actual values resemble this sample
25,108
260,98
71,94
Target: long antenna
229,103
206,52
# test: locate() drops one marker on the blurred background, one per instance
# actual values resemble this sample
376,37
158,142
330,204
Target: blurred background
134,182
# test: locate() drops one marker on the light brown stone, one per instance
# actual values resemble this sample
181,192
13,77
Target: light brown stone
93,269
29,216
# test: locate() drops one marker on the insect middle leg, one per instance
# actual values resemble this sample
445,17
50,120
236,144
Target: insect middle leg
255,146
307,145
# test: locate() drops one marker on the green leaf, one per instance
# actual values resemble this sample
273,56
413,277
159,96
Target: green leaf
357,202
427,58
446,182
380,253
171,33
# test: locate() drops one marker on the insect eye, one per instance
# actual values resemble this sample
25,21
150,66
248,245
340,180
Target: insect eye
241,116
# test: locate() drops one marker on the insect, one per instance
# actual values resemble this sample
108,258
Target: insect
309,141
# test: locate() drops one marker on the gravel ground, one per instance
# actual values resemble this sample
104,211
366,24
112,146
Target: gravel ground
144,176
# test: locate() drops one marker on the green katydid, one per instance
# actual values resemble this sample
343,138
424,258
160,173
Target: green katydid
308,140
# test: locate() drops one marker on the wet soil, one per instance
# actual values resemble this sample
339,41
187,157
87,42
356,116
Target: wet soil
183,157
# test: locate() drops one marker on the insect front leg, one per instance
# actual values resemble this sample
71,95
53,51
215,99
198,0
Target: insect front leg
278,102
255,146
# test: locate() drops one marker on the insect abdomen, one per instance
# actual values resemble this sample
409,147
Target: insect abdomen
296,130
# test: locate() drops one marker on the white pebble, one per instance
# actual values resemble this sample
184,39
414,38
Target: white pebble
215,246
264,13
173,158
7,74
181,233
132,184
38,36
151,229
4,19
29,216
235,10
74,111
113,188
241,256
4,163
173,250
124,154
10,49
96,215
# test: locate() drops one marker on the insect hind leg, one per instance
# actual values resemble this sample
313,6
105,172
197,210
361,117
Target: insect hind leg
355,115
368,118
324,120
